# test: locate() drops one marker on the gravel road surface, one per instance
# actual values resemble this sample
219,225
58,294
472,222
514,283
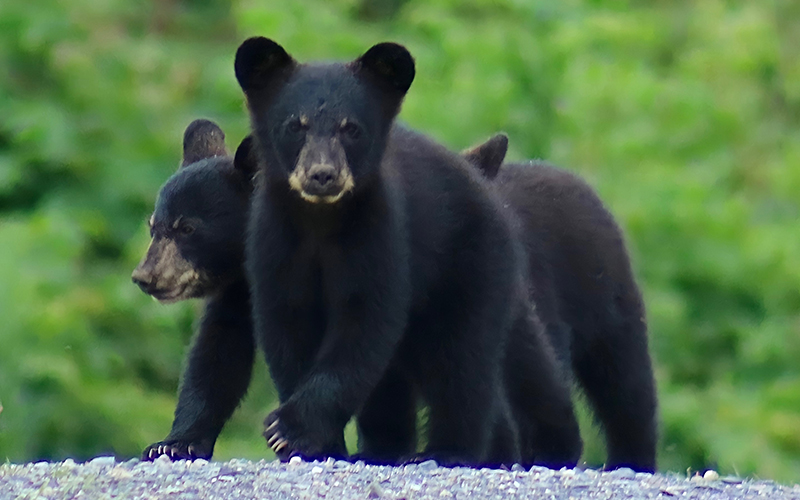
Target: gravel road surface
104,478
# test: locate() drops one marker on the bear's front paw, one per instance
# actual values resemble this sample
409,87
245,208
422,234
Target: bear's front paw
291,435
276,435
179,450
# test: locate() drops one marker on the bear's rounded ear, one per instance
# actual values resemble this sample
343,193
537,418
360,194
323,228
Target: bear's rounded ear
390,63
202,139
258,61
488,156
246,159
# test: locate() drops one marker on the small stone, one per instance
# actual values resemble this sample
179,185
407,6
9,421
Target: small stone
623,473
69,463
200,462
711,475
101,461
517,468
295,460
316,469
428,465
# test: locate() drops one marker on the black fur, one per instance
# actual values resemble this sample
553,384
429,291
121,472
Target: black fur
588,301
203,209
409,282
548,200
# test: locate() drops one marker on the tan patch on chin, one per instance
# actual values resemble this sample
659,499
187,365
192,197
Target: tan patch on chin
175,274
345,179
297,179
187,286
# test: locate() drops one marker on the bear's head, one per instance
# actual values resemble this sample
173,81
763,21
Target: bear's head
197,226
322,128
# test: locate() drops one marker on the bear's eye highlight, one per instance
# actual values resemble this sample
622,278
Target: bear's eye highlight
297,126
350,130
187,229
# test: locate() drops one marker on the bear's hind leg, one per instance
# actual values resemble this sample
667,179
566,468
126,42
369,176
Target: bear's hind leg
616,374
540,395
387,423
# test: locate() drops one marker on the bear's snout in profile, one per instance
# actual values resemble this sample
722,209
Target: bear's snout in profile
164,274
143,279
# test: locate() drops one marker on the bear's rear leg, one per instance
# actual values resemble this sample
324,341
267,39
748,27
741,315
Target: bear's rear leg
463,390
616,374
541,399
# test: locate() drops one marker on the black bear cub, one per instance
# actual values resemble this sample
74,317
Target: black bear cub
549,201
197,251
587,299
382,269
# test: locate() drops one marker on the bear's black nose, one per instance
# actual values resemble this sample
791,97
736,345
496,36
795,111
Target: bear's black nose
322,177
145,280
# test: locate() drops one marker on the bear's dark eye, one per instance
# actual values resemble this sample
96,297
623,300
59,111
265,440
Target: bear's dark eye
187,229
298,126
351,131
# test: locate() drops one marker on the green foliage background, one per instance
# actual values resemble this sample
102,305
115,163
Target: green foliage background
685,115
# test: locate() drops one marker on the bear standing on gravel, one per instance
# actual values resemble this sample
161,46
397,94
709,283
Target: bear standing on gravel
375,261
587,299
196,251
